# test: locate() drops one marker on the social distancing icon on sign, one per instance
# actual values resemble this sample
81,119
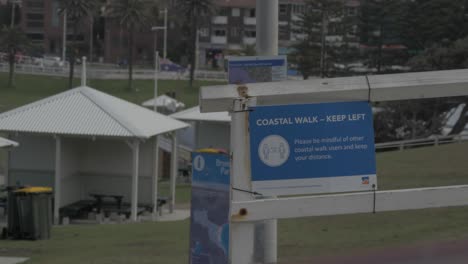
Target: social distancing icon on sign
274,151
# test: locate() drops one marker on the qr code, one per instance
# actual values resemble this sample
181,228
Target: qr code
260,74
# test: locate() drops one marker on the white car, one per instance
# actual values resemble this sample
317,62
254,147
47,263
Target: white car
49,61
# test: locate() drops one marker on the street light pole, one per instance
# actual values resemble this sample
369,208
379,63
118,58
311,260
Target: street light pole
165,34
197,50
13,9
12,14
156,70
64,36
267,45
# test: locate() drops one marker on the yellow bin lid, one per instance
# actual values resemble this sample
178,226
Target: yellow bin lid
35,190
212,151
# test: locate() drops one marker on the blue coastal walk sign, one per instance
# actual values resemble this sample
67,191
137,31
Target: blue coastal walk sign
317,148
209,222
253,69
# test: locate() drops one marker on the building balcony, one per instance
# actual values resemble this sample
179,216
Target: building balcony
219,20
250,21
218,40
249,41
334,38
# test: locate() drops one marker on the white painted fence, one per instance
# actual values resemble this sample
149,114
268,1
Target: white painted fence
350,203
111,73
434,141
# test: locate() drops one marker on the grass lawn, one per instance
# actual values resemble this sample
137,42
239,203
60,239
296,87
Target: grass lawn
30,88
298,238
183,192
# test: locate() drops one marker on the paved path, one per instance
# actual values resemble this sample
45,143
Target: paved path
10,260
454,252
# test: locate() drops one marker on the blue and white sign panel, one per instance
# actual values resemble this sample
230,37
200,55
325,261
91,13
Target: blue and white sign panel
317,148
209,222
253,69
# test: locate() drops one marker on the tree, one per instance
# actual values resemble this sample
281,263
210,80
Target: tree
431,21
192,10
382,23
13,40
132,15
321,19
76,12
446,56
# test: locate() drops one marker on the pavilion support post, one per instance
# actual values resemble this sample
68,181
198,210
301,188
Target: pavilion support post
155,176
174,170
135,145
57,179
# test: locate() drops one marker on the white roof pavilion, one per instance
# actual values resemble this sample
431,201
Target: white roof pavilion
165,102
194,114
5,143
85,112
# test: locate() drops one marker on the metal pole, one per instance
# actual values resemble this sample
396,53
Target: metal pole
136,160
57,180
197,50
64,36
242,234
267,45
91,39
174,170
83,72
155,176
165,34
267,27
13,5
156,70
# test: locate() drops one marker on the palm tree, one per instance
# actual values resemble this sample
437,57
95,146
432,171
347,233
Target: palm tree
192,10
132,15
13,40
76,11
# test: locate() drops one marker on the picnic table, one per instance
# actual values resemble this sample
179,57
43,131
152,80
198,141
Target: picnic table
99,201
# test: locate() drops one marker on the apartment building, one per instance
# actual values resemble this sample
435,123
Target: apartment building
233,28
42,23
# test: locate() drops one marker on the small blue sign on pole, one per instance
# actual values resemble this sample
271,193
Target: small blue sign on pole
253,69
317,148
209,222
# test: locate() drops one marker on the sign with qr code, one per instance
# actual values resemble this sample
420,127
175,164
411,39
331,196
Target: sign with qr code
254,69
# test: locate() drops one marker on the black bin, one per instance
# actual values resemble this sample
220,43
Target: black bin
30,213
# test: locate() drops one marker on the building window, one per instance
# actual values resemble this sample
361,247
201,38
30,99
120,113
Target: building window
34,20
283,10
223,12
235,12
297,9
352,11
36,36
250,33
34,4
204,32
235,32
35,16
250,12
220,32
